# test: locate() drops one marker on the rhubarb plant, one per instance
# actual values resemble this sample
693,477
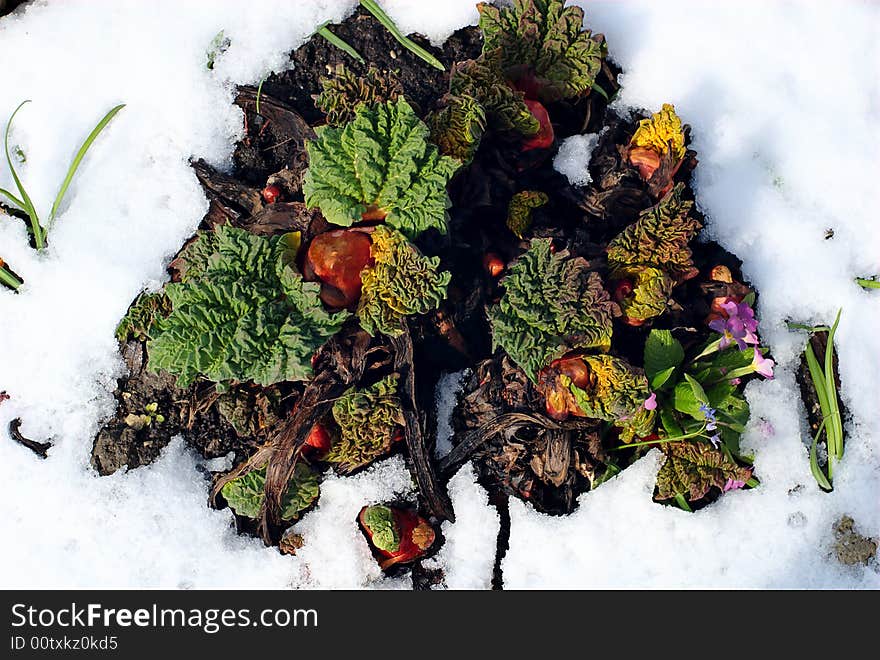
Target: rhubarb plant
399,282
379,166
245,494
657,149
519,211
552,304
547,53
140,317
368,420
692,468
241,312
343,92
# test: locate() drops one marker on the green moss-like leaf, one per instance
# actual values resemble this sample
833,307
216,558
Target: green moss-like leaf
380,163
552,304
616,394
482,80
343,92
519,211
458,127
245,494
379,519
692,468
241,313
146,308
401,281
543,43
658,239
367,419
652,290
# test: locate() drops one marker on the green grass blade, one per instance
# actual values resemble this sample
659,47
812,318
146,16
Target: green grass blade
683,503
26,204
601,91
8,279
259,94
820,478
324,31
818,378
79,158
12,198
868,283
835,432
373,7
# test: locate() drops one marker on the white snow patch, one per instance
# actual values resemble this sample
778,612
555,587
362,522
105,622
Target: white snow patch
573,158
468,555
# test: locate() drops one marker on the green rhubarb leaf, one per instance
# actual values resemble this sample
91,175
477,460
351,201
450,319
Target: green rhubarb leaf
663,353
616,394
400,281
245,494
658,239
379,165
552,303
544,46
140,317
519,211
379,519
458,127
692,468
240,313
343,92
367,419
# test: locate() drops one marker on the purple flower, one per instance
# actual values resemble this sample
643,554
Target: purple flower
762,365
651,402
715,440
735,381
733,484
739,327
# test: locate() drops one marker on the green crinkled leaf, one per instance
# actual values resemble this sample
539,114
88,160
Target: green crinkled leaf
379,163
552,304
616,394
379,519
343,92
458,127
692,468
652,289
245,494
659,239
505,107
544,44
367,420
400,281
240,313
139,319
519,211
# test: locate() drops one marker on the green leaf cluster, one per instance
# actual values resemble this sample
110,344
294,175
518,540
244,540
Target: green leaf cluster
343,92
139,318
458,127
692,468
616,394
367,420
241,312
380,164
544,40
245,494
379,519
400,281
519,211
552,304
658,239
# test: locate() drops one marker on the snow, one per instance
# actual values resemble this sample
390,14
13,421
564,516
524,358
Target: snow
573,158
446,392
468,555
786,135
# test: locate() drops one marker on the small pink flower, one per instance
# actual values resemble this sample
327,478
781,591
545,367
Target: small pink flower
762,365
651,402
736,381
733,484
